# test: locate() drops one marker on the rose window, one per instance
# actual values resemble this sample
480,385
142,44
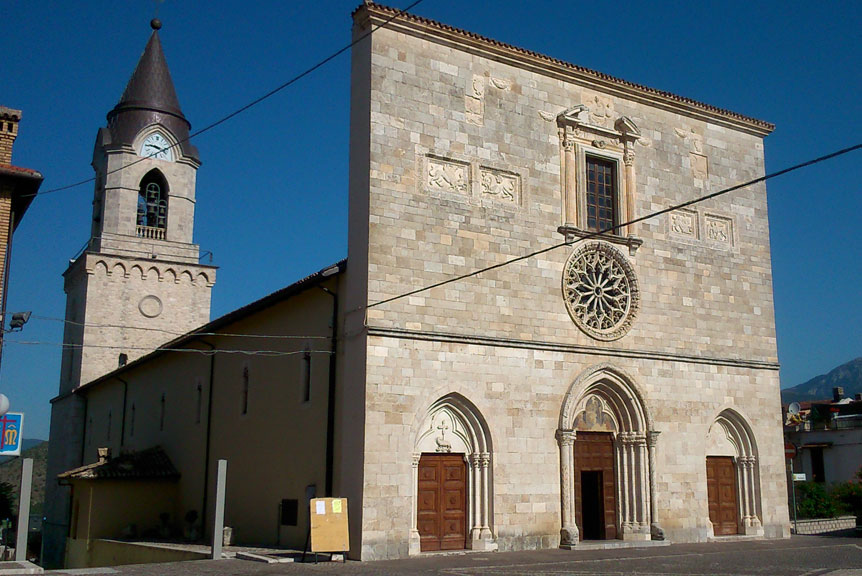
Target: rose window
601,291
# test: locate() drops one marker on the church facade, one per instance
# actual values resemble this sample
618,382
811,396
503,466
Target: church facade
623,386
620,381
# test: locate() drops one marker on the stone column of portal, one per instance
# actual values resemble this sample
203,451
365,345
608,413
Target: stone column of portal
741,464
626,484
414,541
631,190
476,530
752,496
570,175
643,496
485,465
655,529
569,534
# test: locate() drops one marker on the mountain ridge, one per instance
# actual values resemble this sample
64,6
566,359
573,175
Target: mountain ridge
847,376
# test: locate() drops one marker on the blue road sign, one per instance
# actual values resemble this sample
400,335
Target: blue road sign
11,430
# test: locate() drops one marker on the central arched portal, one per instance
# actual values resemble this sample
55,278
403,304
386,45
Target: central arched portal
607,469
452,479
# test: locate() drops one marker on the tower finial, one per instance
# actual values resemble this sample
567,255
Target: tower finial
155,23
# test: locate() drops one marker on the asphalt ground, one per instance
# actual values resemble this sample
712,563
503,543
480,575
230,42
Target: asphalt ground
798,556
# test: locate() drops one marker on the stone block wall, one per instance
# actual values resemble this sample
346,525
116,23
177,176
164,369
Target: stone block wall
465,172
825,525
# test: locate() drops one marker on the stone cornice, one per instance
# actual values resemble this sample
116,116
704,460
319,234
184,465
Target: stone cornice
568,348
377,15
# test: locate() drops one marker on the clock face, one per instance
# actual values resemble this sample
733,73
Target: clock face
157,146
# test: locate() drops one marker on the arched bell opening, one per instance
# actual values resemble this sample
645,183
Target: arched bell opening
607,460
733,477
152,216
452,479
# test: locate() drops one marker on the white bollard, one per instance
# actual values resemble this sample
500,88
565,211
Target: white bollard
218,521
24,510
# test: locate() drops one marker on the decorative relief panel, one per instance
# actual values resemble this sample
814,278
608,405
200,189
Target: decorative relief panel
684,223
718,229
600,291
447,175
474,101
500,185
699,167
601,109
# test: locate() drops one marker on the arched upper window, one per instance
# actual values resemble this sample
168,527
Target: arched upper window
153,206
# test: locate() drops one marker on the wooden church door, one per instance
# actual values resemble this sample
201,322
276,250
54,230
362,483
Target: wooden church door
721,494
442,502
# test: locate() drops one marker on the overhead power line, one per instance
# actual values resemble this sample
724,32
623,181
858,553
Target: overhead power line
242,109
190,332
617,226
148,350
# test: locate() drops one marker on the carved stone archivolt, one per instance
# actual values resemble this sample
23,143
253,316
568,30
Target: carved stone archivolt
600,290
603,399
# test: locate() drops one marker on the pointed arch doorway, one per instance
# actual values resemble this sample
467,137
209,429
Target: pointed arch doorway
607,461
733,476
452,479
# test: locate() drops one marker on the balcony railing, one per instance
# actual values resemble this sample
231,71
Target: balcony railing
151,233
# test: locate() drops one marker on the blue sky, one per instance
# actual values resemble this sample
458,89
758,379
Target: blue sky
272,192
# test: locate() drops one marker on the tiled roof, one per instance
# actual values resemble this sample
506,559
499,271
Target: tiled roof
147,464
388,12
19,171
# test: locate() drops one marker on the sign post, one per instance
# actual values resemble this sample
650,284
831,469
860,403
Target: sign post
790,453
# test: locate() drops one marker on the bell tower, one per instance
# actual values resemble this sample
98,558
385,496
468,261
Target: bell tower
138,283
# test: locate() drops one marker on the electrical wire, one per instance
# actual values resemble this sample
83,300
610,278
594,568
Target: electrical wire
242,109
592,235
148,350
175,333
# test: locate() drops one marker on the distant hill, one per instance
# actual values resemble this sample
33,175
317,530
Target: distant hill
10,471
847,376
26,444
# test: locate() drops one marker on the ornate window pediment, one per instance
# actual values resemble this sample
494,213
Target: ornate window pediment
601,202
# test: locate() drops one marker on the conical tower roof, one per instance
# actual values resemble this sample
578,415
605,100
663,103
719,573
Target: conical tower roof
151,87
150,98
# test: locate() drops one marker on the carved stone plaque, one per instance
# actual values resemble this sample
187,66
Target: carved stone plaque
500,185
684,223
718,229
699,166
474,101
446,175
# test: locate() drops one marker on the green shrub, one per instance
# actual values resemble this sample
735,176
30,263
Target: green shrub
848,495
812,501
